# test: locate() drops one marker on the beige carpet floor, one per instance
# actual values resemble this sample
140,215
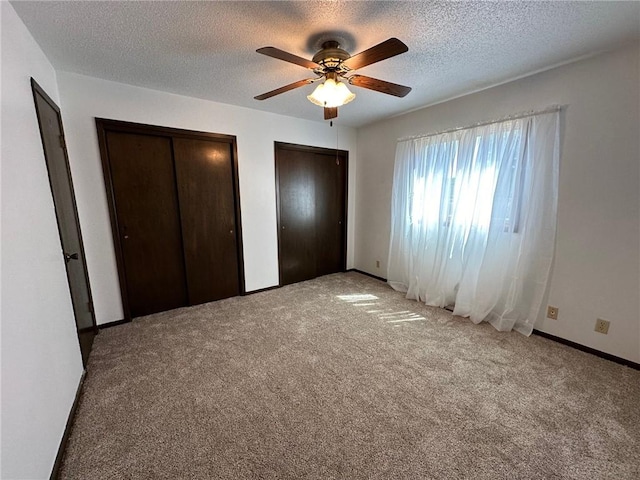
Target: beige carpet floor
342,378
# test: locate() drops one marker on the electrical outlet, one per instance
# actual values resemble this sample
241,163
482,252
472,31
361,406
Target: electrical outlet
377,263
552,312
602,326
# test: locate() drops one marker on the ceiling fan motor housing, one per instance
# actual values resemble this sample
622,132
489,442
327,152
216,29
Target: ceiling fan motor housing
331,57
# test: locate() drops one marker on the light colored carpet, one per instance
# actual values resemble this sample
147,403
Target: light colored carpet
342,377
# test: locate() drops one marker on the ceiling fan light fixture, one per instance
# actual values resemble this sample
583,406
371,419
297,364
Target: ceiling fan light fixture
331,94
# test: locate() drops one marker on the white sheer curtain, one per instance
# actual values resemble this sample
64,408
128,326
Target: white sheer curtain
473,219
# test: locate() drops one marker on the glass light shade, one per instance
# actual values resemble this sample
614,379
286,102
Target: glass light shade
331,94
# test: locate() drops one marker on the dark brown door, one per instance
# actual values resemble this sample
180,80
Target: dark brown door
297,215
55,154
175,214
204,171
311,190
330,213
148,221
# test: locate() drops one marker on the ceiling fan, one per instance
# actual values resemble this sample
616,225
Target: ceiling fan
332,64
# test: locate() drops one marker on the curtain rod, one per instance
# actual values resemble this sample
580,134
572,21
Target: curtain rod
549,109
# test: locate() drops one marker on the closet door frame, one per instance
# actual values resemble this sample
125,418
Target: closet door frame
104,126
343,154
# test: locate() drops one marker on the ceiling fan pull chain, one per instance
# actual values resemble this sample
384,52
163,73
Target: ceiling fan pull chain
337,144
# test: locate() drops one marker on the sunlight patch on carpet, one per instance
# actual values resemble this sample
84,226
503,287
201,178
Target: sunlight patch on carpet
387,315
357,297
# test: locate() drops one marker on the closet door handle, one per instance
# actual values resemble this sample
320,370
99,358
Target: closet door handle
70,256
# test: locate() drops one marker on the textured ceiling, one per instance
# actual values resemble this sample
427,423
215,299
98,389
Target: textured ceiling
207,49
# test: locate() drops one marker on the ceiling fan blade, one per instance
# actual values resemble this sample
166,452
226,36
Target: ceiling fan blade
287,57
286,88
387,49
379,85
330,113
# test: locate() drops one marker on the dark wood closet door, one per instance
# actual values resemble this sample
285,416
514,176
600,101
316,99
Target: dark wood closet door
204,172
297,220
148,221
330,201
311,189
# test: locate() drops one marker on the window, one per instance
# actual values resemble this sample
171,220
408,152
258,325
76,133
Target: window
459,194
473,219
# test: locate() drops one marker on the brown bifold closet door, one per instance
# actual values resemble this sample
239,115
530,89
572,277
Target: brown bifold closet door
311,186
297,215
330,195
204,173
175,214
148,221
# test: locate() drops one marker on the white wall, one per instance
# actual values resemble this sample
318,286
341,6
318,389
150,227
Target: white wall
41,362
597,262
84,98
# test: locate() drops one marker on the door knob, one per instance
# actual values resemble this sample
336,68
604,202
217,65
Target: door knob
70,256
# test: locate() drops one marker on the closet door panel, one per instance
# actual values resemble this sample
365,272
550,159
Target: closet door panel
148,221
296,172
204,173
330,201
